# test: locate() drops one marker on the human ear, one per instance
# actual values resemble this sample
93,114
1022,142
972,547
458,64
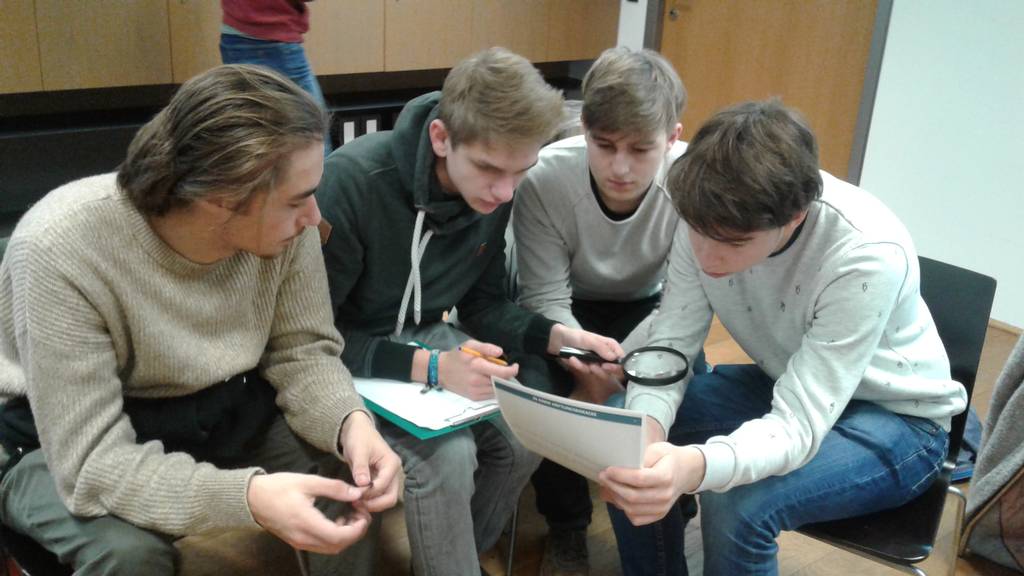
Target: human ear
674,135
797,220
438,137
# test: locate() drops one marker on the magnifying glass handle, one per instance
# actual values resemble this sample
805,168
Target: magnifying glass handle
582,354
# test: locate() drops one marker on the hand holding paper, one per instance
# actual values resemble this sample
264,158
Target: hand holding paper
647,494
586,438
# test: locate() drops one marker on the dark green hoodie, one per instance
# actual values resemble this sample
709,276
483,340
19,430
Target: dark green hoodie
371,192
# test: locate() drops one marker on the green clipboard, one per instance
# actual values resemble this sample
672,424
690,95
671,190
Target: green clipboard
419,431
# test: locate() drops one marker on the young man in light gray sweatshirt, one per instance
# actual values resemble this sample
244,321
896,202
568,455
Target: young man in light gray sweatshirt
846,408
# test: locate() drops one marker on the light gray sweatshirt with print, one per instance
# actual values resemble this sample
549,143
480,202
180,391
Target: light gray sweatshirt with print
836,316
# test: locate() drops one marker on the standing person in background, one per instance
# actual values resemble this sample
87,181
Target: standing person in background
269,33
417,221
593,227
168,360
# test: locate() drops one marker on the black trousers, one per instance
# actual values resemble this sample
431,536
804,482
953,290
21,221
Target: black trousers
563,496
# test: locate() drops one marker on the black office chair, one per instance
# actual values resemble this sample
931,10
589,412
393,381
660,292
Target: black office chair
960,302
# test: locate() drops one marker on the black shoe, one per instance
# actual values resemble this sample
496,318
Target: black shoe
565,554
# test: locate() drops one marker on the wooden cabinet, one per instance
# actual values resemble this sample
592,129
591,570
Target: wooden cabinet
346,37
519,26
423,34
64,45
195,36
581,29
102,43
19,51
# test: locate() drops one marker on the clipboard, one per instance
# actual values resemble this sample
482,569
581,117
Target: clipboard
428,415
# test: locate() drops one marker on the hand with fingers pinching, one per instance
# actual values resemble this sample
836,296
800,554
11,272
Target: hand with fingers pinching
467,370
373,464
282,503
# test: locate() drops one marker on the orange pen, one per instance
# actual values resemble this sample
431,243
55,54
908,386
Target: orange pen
479,354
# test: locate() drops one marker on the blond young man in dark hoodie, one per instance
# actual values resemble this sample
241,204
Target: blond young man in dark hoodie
418,218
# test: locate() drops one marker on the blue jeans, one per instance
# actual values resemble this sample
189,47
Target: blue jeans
288,58
872,459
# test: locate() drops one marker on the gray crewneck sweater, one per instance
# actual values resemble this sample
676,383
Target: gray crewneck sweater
836,316
568,248
96,307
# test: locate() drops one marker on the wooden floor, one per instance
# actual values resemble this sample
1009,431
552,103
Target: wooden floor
798,556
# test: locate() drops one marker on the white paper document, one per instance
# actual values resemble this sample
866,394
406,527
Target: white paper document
434,409
585,438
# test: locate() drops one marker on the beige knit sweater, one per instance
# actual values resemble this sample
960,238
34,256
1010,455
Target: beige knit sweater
95,307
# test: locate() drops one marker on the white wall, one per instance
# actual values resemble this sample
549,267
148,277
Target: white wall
632,18
946,133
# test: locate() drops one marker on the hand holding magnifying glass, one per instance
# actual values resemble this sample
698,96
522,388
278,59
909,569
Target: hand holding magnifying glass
647,365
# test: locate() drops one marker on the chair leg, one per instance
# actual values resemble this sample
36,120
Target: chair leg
512,540
957,526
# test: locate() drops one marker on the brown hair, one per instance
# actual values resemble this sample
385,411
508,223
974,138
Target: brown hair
227,132
633,92
751,167
498,96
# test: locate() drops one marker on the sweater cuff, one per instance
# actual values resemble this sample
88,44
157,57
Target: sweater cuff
654,405
719,466
538,335
392,360
224,497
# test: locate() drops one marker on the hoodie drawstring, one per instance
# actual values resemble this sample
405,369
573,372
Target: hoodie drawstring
413,286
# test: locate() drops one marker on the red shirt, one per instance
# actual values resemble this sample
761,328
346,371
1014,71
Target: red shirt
279,20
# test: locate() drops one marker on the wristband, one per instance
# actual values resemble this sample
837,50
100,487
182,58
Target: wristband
432,369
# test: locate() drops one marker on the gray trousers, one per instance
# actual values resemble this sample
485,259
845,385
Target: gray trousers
460,488
109,545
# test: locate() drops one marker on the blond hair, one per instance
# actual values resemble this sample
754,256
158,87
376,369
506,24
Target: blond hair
498,96
227,133
632,91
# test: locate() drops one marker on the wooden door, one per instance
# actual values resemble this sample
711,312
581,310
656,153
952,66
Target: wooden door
19,51
99,43
813,54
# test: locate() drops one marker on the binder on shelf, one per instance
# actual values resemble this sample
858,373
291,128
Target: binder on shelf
424,415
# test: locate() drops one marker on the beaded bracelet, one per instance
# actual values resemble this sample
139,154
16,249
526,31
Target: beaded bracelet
432,370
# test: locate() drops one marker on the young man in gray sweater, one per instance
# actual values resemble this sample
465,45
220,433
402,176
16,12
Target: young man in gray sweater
846,408
167,351
593,227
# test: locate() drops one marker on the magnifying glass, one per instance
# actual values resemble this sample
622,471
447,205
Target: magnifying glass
647,365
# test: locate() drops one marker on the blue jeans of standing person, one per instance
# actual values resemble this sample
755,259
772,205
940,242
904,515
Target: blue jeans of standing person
288,58
872,459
